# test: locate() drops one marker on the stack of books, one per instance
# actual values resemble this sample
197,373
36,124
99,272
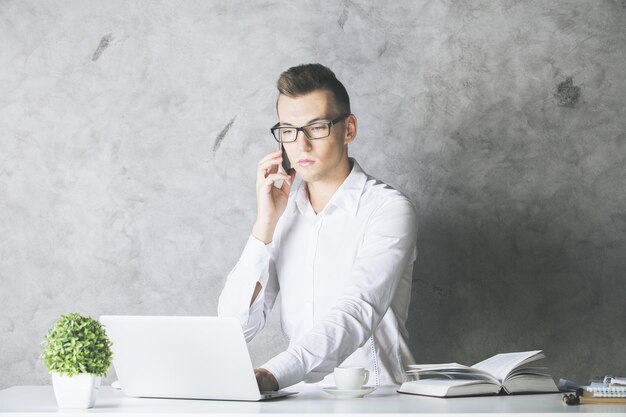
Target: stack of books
505,373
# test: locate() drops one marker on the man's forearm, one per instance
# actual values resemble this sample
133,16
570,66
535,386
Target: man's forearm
264,231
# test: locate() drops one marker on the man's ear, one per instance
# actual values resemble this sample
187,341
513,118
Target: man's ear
350,129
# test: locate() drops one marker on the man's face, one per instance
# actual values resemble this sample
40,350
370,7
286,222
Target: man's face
323,159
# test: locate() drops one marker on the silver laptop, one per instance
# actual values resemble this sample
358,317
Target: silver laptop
183,357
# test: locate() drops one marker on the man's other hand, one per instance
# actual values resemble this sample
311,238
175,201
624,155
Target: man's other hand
265,380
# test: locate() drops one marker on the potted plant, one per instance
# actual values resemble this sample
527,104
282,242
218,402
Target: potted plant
77,353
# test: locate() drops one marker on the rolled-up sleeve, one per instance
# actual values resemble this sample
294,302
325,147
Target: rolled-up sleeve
387,248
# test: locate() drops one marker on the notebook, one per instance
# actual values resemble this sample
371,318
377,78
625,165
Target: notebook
601,390
183,357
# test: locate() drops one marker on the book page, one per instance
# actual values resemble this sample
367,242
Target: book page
473,375
437,366
528,371
530,383
449,371
502,364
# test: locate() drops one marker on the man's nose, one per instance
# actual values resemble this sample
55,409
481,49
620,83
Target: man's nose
303,141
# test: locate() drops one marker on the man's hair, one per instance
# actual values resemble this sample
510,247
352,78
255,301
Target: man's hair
304,79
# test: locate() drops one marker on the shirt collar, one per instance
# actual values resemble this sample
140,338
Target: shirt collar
346,197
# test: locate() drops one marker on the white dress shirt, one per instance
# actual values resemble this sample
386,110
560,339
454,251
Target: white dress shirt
345,280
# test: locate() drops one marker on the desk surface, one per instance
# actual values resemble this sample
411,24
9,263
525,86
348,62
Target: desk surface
385,401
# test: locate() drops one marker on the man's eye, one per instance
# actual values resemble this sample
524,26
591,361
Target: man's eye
318,128
286,131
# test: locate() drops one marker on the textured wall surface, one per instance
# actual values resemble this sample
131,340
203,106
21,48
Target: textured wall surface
130,131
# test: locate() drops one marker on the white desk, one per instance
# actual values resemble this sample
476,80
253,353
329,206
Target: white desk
27,401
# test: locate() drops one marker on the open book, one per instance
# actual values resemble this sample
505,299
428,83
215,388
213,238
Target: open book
503,373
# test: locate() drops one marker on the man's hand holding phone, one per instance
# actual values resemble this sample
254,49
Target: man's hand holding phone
271,201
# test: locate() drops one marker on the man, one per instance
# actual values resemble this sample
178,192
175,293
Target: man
340,246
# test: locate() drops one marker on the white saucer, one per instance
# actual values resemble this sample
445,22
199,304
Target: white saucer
349,393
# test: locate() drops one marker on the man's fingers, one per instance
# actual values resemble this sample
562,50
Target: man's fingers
270,156
269,166
272,178
265,380
286,187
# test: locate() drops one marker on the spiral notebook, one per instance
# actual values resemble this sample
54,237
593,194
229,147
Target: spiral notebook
601,390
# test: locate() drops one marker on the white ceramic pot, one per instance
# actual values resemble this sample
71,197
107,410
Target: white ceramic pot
78,391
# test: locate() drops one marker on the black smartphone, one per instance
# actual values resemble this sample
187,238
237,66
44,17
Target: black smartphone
286,163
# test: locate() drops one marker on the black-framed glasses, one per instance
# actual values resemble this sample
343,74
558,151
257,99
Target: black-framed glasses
315,130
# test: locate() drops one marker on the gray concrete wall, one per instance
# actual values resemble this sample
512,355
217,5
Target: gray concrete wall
130,131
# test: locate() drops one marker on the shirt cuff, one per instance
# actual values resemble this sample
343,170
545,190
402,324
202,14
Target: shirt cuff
286,368
255,253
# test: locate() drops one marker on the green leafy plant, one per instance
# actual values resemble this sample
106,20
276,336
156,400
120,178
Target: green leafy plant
77,344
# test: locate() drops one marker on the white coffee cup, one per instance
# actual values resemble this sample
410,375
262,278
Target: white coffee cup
347,378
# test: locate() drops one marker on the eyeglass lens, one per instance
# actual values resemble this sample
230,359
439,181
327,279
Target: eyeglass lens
313,131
